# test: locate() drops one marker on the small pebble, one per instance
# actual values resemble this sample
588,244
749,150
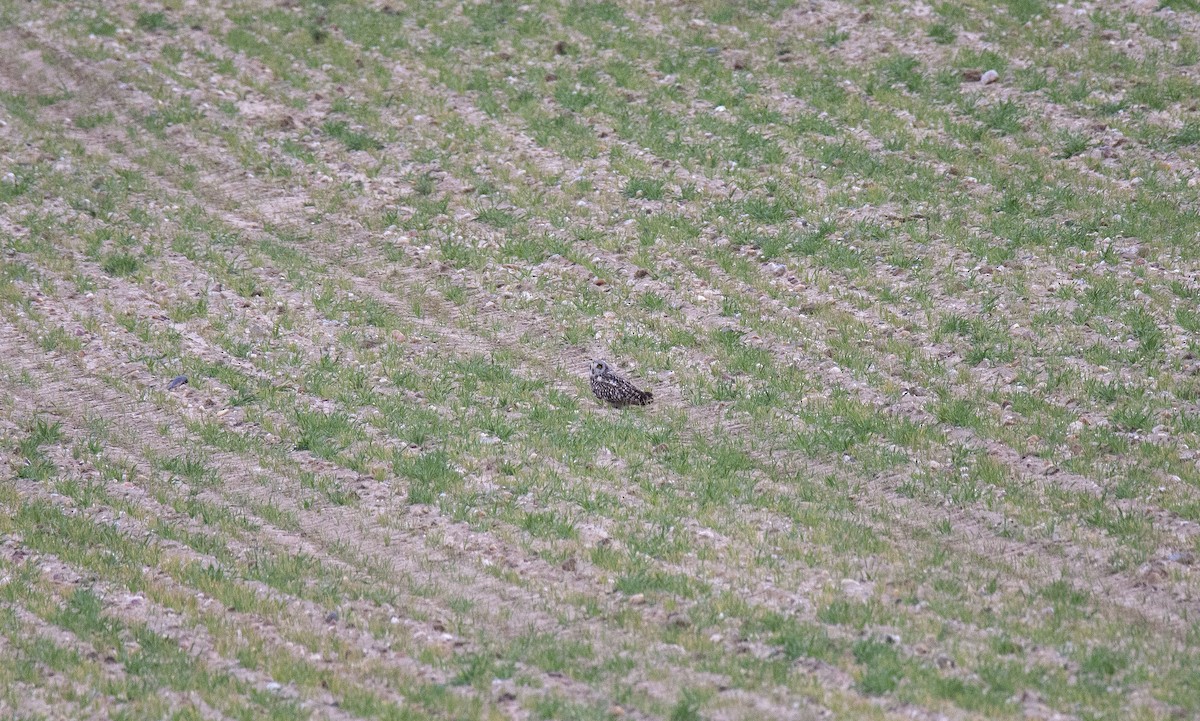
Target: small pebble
989,77
176,382
331,617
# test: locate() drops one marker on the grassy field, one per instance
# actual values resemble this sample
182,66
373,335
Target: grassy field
916,287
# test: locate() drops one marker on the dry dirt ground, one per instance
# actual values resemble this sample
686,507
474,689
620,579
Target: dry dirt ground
922,338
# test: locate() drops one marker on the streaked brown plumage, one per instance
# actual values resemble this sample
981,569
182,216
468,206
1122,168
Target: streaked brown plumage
612,388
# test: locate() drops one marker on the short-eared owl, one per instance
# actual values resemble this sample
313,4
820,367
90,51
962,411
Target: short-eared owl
612,388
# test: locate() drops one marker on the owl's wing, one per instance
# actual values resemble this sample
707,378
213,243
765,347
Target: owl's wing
609,385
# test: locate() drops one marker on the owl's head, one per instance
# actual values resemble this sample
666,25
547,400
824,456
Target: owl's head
599,367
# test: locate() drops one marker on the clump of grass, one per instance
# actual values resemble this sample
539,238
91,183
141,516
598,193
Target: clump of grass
93,120
1026,10
190,468
903,70
120,264
496,218
833,38
645,188
352,139
1134,417
687,708
1073,144
152,21
960,412
1004,117
1189,135
882,667
38,466
425,184
429,475
942,33
324,434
